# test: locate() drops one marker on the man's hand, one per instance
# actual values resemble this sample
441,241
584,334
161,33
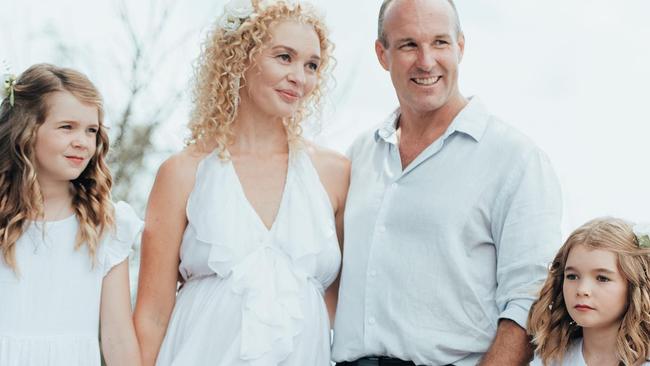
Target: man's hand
511,346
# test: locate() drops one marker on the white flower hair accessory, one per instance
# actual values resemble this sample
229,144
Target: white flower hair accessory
8,85
642,232
237,11
234,13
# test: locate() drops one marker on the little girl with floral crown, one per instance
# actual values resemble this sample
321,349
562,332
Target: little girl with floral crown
594,308
63,244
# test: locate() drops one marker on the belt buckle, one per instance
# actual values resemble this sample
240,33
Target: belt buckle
387,361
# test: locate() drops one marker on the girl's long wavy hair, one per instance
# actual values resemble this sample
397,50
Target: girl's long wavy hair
20,194
227,55
549,322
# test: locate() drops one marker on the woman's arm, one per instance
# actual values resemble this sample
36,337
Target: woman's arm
165,222
334,172
332,292
119,343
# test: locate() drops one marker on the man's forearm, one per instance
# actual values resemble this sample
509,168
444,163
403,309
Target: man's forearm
511,346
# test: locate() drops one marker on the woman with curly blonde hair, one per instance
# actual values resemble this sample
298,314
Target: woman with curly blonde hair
249,213
594,308
64,245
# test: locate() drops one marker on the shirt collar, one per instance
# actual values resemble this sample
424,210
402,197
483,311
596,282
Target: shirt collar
387,130
472,120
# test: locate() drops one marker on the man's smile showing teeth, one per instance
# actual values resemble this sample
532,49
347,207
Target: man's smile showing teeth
427,81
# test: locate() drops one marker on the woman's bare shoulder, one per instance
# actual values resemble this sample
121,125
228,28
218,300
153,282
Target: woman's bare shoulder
179,170
333,170
328,161
184,161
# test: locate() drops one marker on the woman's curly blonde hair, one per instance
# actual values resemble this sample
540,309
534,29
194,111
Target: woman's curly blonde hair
227,55
549,322
20,194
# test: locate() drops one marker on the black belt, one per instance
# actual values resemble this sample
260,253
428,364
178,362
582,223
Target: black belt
379,361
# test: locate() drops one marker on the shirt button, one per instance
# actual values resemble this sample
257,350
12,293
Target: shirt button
382,229
373,273
394,185
371,321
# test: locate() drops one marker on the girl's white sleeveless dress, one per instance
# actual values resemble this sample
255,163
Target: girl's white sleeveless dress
572,357
49,315
254,296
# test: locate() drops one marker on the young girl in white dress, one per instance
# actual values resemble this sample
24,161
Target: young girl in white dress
63,244
594,308
249,212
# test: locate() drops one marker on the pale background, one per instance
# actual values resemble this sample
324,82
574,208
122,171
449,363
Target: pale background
571,74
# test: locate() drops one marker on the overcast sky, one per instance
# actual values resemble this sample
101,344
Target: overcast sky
572,74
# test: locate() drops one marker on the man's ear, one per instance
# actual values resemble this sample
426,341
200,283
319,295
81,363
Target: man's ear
381,54
461,46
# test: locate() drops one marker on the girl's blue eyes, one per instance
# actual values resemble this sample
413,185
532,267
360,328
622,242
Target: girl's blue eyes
92,130
599,278
602,279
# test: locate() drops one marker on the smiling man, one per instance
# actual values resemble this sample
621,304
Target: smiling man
452,215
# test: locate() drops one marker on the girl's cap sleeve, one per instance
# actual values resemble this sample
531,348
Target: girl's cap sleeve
120,241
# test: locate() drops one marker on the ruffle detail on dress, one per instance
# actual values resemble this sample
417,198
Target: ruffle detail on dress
308,203
269,270
118,244
271,313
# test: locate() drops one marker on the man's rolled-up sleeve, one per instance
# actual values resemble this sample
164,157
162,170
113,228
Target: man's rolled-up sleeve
527,231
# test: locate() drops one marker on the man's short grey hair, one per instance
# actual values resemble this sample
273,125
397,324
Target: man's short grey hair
381,36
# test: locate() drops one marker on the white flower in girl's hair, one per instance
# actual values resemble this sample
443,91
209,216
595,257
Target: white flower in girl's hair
5,86
642,232
234,12
8,84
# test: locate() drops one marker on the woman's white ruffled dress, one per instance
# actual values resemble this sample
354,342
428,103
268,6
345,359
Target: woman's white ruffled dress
49,315
254,296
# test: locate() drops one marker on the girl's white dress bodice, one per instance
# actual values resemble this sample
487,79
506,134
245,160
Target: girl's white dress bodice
572,357
49,315
254,296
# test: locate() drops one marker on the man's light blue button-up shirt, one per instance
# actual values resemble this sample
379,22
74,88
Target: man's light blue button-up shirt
436,253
